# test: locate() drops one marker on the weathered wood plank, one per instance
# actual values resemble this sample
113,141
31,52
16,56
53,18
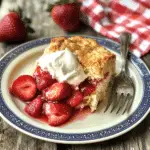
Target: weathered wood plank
146,134
8,137
1,50
146,59
11,139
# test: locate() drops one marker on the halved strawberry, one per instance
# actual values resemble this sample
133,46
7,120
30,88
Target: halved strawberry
47,108
24,87
75,99
34,108
43,78
57,92
58,113
87,88
10,90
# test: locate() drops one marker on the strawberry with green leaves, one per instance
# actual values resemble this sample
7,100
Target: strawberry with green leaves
66,15
14,28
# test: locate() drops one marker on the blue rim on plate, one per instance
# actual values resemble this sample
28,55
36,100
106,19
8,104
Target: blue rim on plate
72,138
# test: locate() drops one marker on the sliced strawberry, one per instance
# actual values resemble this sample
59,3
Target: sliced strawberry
87,88
47,108
57,92
24,87
43,78
75,99
34,108
10,90
58,113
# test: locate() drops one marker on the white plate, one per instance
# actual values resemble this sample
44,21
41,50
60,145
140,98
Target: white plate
95,127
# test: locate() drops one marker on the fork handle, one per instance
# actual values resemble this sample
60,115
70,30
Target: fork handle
125,38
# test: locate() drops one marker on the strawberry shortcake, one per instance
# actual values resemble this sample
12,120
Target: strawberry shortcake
66,78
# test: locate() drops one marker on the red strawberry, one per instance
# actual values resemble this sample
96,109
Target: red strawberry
10,90
12,28
47,109
67,16
34,108
43,78
57,92
58,113
87,88
24,87
75,99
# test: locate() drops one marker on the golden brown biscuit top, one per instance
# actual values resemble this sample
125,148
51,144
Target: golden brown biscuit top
91,55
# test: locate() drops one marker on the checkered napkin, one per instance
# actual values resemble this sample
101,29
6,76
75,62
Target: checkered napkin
110,19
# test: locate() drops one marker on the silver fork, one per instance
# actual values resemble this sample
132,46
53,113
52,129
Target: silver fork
122,89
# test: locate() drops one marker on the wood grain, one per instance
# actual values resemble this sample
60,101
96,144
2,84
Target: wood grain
11,139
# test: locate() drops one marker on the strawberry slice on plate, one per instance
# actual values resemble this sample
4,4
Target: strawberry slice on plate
57,92
34,108
75,99
57,113
47,108
43,78
24,87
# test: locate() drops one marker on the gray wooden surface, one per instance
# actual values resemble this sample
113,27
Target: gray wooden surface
11,139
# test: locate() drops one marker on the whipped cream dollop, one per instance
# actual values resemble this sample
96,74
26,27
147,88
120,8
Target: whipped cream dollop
63,65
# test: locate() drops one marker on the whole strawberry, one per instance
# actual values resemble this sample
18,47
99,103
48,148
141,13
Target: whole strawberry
67,16
14,26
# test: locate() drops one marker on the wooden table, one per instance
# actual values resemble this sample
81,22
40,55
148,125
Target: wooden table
11,139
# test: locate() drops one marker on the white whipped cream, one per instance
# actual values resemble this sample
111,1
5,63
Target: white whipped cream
63,66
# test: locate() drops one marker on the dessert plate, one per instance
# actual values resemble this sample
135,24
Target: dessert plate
85,127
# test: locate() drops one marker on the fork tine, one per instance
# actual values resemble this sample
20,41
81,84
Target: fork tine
117,102
110,93
123,104
129,103
110,100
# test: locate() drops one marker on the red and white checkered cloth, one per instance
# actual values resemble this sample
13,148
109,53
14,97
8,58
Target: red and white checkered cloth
121,15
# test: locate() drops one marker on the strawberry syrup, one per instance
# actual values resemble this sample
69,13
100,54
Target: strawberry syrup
77,115
43,118
87,87
80,114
